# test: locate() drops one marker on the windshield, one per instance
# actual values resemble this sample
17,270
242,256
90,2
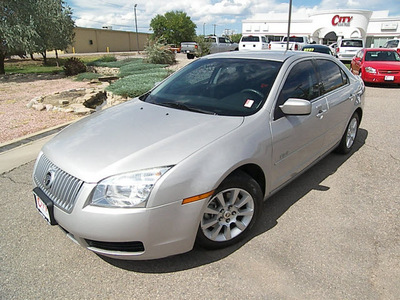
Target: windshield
296,39
391,44
382,56
352,43
223,86
250,39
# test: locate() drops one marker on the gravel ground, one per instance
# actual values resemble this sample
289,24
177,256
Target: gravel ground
17,90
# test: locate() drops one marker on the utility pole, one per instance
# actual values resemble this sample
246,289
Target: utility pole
290,20
204,29
215,25
137,34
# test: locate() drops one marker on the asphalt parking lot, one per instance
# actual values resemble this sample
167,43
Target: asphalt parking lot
331,234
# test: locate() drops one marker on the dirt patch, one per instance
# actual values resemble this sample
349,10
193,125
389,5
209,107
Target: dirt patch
16,91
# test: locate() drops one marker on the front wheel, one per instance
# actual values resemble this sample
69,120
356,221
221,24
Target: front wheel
231,212
350,135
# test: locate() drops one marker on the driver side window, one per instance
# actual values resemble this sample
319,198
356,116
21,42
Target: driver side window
301,83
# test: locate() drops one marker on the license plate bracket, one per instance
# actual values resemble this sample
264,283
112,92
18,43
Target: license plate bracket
44,206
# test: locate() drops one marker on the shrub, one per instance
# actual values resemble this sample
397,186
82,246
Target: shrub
104,61
204,45
137,84
139,66
159,53
74,66
87,76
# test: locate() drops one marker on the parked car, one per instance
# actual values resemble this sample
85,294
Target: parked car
190,49
217,44
318,48
174,48
295,43
221,44
393,44
253,42
380,65
347,48
193,159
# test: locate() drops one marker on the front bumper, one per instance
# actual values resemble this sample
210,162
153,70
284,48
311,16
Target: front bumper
381,78
346,56
133,233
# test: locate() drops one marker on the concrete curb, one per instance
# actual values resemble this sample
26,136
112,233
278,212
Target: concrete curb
32,137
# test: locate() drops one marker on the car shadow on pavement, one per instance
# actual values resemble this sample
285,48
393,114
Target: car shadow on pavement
273,209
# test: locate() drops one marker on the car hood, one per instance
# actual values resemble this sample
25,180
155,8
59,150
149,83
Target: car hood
383,65
133,136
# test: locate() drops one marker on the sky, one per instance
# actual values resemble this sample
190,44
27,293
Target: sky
210,16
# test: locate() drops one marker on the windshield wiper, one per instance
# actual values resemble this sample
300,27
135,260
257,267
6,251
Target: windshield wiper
180,105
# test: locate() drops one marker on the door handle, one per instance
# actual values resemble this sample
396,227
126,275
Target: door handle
321,112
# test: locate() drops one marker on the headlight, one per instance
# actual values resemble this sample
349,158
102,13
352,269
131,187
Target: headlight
370,70
127,190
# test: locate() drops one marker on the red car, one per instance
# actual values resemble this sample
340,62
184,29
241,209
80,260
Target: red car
378,65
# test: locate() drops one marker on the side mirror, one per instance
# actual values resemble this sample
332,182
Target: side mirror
294,106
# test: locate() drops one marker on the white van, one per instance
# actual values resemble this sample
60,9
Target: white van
347,48
253,42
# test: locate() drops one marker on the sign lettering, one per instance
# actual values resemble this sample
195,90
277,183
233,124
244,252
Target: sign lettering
341,20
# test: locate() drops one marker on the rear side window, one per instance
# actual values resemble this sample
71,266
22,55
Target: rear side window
331,75
302,83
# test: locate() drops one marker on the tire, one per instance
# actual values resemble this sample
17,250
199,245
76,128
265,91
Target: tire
350,135
230,213
190,56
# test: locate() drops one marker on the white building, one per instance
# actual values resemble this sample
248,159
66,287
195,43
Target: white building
325,27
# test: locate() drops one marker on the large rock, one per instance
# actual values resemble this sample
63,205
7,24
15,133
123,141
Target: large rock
78,101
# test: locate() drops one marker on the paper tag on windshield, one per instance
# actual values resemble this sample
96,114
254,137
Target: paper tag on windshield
249,103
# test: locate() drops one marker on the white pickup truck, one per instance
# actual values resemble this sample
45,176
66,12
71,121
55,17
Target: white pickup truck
295,43
217,44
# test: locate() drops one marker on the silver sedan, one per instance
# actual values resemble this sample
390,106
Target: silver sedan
192,160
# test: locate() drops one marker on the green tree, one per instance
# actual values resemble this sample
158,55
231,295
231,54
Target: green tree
16,28
173,27
54,26
34,26
236,37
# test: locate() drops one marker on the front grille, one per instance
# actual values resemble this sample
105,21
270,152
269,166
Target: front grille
117,246
61,187
388,72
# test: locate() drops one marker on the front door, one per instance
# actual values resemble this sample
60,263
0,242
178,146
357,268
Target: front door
297,139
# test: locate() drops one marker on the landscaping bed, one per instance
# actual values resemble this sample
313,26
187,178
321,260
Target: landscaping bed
17,90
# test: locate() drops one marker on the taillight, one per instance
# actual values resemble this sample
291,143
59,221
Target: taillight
296,47
337,49
398,50
196,46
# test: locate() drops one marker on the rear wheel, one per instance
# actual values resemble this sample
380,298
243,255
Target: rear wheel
231,212
350,135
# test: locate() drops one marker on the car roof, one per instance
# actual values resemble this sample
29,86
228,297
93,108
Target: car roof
262,55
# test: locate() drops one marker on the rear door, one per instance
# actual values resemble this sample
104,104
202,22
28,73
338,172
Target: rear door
297,140
340,97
